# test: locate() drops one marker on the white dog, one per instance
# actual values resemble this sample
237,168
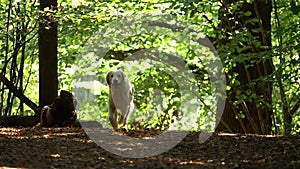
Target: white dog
120,98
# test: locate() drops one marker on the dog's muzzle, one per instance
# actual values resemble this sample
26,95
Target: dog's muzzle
115,82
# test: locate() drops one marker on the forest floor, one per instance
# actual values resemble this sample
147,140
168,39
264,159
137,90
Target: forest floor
72,148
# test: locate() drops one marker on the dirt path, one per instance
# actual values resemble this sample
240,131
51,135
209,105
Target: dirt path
72,148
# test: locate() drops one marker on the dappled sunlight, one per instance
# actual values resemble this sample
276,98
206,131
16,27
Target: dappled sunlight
71,147
9,167
41,133
9,131
136,144
249,135
55,155
64,134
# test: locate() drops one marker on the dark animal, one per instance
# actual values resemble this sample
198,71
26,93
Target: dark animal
61,113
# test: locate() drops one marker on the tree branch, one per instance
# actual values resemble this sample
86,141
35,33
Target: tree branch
19,94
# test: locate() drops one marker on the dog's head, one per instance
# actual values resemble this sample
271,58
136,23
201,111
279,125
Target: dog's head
115,77
68,100
63,109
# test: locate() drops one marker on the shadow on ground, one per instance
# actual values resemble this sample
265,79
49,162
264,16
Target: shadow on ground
72,148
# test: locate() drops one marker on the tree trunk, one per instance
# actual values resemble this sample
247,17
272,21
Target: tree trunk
251,114
48,77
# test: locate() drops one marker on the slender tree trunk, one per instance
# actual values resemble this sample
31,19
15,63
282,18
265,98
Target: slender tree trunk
48,77
253,113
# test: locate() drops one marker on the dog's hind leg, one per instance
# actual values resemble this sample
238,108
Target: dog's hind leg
121,120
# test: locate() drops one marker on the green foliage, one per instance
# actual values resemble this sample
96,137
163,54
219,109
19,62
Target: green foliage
286,60
143,44
158,97
18,53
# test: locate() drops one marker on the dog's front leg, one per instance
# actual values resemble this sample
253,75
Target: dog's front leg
113,117
124,117
125,122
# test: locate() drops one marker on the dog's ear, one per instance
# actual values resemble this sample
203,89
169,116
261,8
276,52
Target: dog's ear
65,94
108,77
124,76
